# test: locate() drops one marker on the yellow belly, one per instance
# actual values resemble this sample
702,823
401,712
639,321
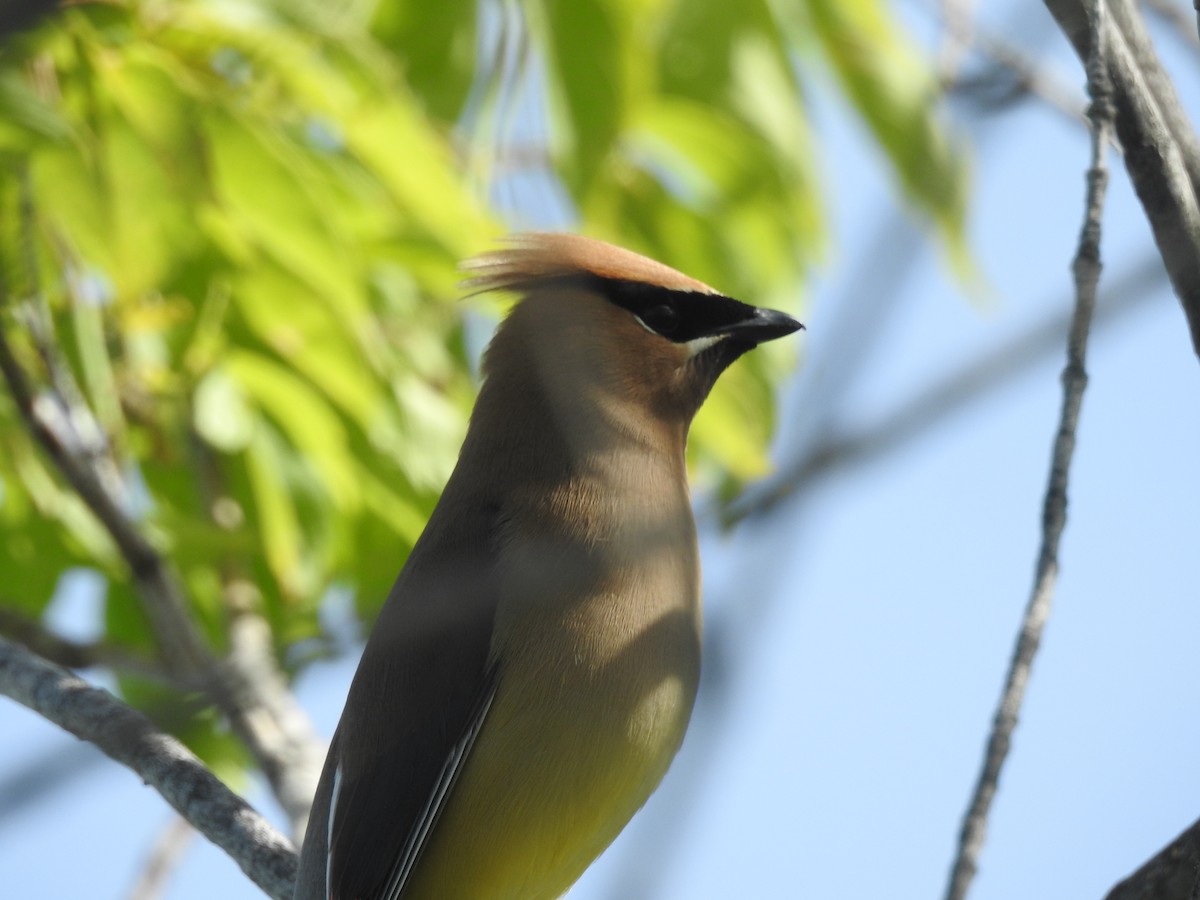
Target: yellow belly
572,747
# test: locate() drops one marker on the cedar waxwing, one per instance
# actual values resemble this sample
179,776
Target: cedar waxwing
532,673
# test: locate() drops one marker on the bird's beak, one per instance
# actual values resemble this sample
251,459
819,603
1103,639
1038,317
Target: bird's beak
764,325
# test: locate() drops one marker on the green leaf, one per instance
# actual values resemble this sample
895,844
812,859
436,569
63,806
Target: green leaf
334,351
894,91
699,55
436,44
733,428
307,419
588,80
25,118
390,138
32,547
265,186
279,524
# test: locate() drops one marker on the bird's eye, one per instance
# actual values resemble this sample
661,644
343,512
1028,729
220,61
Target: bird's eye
663,318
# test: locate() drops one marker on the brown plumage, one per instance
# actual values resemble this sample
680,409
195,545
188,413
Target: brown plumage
533,670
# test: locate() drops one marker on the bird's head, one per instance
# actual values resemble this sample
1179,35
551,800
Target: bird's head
605,328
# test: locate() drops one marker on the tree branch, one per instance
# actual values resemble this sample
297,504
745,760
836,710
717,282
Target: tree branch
1086,268
1023,76
284,728
78,654
127,736
1024,79
1160,146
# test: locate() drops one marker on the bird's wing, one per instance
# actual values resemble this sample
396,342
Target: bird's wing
402,867
418,701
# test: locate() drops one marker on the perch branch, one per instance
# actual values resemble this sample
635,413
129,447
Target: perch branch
127,736
1086,268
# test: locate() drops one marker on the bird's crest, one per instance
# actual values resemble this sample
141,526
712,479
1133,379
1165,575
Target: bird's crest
533,257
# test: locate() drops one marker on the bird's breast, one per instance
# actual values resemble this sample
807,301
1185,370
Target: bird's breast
597,643
605,632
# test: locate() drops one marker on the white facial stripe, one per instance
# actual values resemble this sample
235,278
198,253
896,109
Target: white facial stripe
700,344
694,346
638,319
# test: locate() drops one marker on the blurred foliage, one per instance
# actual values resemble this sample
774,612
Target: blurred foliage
242,218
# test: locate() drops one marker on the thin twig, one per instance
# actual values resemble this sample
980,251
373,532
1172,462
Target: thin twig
1086,268
956,38
1026,79
43,418
51,416
80,654
280,723
284,725
164,856
94,715
1025,76
85,436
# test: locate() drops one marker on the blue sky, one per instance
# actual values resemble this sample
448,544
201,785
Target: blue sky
858,637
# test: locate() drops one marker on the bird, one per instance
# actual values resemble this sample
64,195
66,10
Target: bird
532,672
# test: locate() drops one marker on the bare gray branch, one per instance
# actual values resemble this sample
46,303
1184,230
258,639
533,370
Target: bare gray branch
124,734
1086,268
1160,146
